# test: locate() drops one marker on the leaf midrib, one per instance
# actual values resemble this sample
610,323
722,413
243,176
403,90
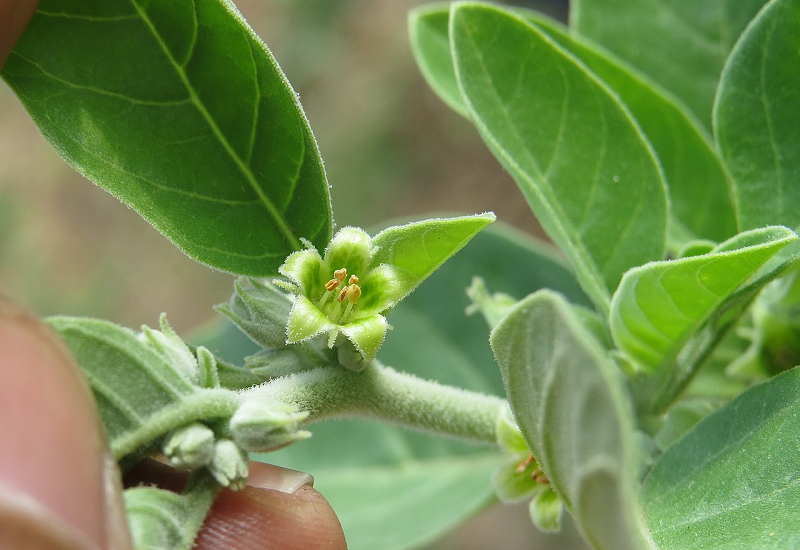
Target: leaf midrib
273,211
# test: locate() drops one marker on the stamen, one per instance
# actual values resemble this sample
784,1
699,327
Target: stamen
332,284
353,280
340,274
342,294
353,291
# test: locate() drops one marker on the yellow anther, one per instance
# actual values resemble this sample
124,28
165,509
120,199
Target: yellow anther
353,291
353,280
342,295
332,284
340,274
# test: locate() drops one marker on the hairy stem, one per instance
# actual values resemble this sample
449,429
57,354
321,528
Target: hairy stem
382,393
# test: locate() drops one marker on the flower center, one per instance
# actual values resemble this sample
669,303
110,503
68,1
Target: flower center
337,310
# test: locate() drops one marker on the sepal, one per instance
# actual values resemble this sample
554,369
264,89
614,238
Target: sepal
190,447
260,426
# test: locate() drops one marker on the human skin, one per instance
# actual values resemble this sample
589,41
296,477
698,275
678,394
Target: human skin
60,488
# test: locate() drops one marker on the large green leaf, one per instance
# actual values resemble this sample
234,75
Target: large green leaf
577,154
571,405
395,489
180,111
659,307
731,482
681,44
757,119
698,185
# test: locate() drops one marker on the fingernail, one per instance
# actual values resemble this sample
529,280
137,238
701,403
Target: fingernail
52,468
275,478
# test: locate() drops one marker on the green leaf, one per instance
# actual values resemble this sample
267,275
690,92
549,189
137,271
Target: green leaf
427,30
681,44
139,394
394,489
659,307
572,407
698,185
756,119
581,162
196,127
732,481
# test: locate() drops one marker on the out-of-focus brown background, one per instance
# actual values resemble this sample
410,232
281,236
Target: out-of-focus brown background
391,148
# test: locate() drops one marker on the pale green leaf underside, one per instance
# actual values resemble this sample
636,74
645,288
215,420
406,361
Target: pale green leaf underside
139,396
576,153
732,482
179,111
757,117
698,186
660,305
681,44
571,405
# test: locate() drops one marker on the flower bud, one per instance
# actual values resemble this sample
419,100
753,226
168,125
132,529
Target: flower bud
267,425
229,465
190,447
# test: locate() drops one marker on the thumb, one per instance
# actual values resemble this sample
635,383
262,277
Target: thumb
14,17
59,488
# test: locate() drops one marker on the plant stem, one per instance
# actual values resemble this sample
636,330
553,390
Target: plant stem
382,393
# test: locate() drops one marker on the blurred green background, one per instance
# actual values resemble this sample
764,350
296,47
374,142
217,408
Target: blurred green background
391,149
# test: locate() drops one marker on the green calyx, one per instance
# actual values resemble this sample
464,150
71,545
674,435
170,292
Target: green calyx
345,292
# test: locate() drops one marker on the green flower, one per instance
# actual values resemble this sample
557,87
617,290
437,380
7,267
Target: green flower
345,292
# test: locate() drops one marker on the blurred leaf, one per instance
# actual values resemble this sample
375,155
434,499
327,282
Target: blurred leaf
575,151
658,308
572,406
394,489
731,482
180,112
757,119
681,44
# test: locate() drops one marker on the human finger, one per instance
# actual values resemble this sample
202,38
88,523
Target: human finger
59,486
14,17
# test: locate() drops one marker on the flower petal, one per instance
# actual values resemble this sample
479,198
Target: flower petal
366,334
349,248
305,321
383,287
303,268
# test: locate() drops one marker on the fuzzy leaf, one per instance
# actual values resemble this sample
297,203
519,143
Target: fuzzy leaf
572,407
196,128
139,395
681,44
660,306
162,520
731,482
575,151
757,119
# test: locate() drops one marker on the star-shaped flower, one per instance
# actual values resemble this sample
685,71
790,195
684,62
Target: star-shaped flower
347,290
